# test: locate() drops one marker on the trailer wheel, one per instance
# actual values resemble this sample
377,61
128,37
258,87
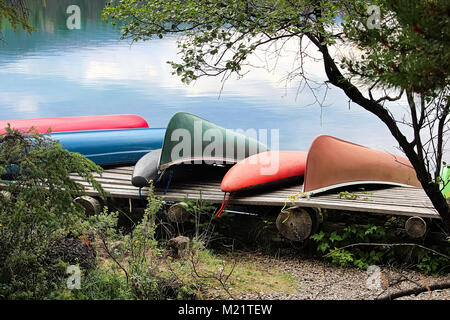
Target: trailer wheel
297,223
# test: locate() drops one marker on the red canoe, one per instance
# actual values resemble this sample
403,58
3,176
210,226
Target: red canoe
334,163
263,168
59,124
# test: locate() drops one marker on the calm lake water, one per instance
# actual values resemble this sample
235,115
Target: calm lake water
89,71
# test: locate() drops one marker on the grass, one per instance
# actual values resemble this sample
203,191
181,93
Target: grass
199,274
208,274
255,277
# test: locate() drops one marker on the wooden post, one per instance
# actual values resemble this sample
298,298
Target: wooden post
91,205
178,212
296,223
137,212
416,227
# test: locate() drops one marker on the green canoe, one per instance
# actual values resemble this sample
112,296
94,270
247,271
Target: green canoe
191,139
445,176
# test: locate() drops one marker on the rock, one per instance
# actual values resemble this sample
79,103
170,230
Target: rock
178,212
115,245
178,246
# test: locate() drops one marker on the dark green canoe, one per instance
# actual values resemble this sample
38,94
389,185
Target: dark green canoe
191,139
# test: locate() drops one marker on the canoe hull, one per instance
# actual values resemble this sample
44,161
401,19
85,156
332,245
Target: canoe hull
191,139
334,163
108,147
263,169
61,124
146,169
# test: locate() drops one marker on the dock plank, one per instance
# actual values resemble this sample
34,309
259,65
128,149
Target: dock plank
407,201
217,193
393,200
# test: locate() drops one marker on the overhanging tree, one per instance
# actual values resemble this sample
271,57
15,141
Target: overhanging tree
403,53
16,13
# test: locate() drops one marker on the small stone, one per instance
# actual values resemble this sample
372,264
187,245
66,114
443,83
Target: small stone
178,245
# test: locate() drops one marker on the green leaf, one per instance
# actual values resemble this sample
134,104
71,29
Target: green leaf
318,236
335,237
323,246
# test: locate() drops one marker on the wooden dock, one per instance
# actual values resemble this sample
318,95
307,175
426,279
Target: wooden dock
405,201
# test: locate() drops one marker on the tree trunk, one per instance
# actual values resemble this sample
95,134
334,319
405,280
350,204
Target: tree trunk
437,199
431,188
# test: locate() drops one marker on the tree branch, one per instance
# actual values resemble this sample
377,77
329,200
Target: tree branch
416,291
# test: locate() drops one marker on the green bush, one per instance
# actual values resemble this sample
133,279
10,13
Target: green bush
36,210
133,254
98,284
341,247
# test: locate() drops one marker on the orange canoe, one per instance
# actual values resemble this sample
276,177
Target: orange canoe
263,168
334,163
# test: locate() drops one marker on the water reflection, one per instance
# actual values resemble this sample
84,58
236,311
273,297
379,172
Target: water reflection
61,72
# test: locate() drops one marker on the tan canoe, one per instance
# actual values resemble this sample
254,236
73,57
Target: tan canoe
334,163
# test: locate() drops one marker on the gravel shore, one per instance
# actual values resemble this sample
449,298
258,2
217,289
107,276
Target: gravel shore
319,280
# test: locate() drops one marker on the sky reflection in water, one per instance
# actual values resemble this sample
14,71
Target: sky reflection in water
60,72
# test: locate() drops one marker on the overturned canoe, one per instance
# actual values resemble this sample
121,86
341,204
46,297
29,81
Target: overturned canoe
334,163
117,146
191,139
263,169
146,169
60,124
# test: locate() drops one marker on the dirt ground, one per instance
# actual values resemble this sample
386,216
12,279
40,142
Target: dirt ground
319,280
